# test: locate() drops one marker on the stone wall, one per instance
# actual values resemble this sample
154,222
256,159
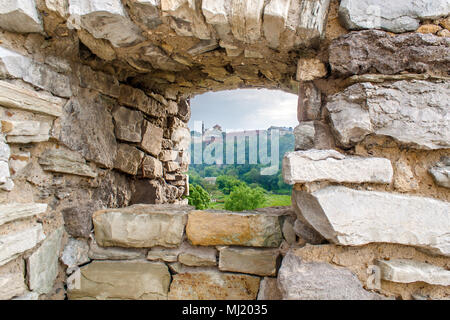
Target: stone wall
94,105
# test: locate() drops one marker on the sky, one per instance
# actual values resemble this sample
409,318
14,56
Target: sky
245,109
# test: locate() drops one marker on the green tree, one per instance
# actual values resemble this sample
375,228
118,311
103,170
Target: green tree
228,183
244,198
198,197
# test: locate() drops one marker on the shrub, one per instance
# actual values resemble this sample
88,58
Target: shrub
227,183
244,198
198,197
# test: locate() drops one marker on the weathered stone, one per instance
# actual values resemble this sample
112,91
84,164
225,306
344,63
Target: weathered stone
350,217
304,135
168,155
78,220
87,127
20,16
26,131
309,102
360,52
13,244
441,172
146,12
128,124
275,15
163,254
30,295
172,166
140,226
148,191
400,17
299,280
268,289
42,265
246,19
310,69
213,285
215,13
14,211
429,28
181,138
330,165
288,230
13,96
12,284
407,271
151,168
415,113
75,253
100,47
261,262
105,20
202,47
99,81
128,158
111,253
136,98
209,228
124,280
152,138
65,161
197,256
312,21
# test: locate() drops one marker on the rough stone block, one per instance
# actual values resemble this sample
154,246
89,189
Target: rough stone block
120,280
128,124
128,158
209,228
152,137
14,211
213,285
268,289
12,284
78,220
140,226
441,172
65,161
351,217
310,69
151,168
261,262
330,165
415,113
20,16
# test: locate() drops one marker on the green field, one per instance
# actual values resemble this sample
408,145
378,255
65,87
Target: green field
272,200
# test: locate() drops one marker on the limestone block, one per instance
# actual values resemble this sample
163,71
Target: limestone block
25,131
309,102
127,124
181,138
215,12
401,16
407,271
100,47
78,220
30,295
146,12
261,262
105,20
42,265
275,16
136,98
246,19
14,211
441,172
415,113
163,254
268,289
209,228
13,244
304,135
213,285
113,253
140,226
197,256
312,22
20,16
310,69
12,284
330,165
168,155
151,168
128,158
12,96
65,161
360,52
152,137
97,80
121,280
203,46
350,217
75,253
299,280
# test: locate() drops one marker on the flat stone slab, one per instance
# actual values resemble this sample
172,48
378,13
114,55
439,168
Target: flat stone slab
12,284
299,280
113,253
352,217
330,165
20,16
14,211
65,161
261,262
415,113
120,280
14,244
210,228
407,271
140,226
213,285
401,16
42,265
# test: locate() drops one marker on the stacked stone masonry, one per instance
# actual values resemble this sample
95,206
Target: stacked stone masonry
94,149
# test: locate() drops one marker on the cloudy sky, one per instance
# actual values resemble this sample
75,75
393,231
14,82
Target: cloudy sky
245,109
